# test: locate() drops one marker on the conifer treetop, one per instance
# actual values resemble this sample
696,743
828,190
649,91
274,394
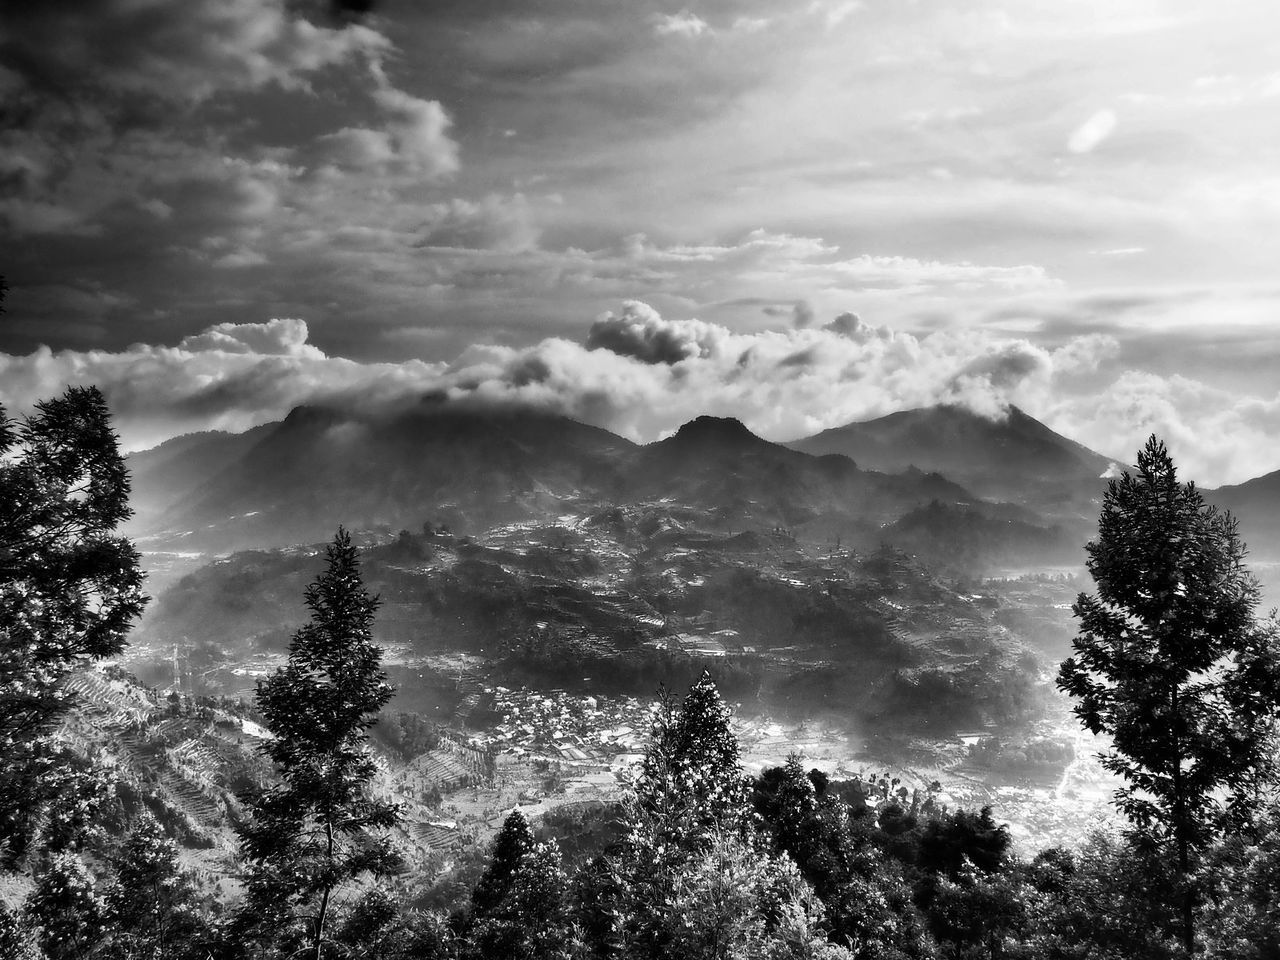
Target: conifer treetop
318,828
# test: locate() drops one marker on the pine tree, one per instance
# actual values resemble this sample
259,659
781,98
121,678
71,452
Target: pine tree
786,798
66,909
69,588
1172,665
691,878
320,827
151,908
691,777
520,907
512,844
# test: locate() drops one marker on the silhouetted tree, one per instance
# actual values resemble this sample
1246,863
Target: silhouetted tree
519,908
952,840
319,827
512,844
1172,665
69,587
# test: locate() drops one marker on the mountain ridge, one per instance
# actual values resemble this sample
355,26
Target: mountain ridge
473,468
293,480
1018,458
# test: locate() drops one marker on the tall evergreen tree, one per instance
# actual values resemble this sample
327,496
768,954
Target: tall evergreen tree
691,878
151,909
70,588
519,908
1172,665
691,778
510,847
320,827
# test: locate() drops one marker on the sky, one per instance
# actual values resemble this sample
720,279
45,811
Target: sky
635,212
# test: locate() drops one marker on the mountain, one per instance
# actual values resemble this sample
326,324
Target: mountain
295,481
162,475
1256,504
957,539
298,479
1017,459
744,480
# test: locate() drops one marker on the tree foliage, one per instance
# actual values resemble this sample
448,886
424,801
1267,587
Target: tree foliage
66,910
519,908
1172,665
691,778
320,827
70,588
152,905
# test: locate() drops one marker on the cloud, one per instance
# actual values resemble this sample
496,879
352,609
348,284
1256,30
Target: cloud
230,377
285,337
175,52
413,141
635,372
802,314
835,12
869,271
122,107
641,333
853,327
1215,436
495,222
1085,354
683,24
642,375
1089,135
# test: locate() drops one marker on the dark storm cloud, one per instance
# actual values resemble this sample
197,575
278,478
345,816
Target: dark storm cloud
641,333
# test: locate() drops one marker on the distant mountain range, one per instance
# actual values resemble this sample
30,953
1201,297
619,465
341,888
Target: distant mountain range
921,478
1256,504
1017,459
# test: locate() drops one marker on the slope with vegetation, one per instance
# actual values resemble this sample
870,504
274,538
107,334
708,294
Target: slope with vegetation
634,597
698,860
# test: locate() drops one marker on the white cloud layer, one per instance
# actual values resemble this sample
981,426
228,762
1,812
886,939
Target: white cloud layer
1089,135
642,376
682,24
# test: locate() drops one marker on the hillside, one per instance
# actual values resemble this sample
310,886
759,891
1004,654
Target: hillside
1256,504
162,475
1017,459
295,481
630,598
319,467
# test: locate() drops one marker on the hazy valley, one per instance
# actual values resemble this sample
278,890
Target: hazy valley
541,580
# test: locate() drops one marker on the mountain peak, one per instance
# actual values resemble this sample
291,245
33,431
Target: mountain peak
716,430
1013,457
